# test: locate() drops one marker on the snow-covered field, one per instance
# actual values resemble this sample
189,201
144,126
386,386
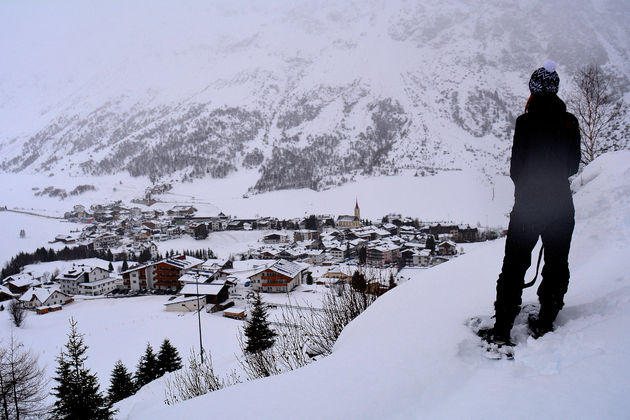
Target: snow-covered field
460,196
38,230
223,244
428,365
121,328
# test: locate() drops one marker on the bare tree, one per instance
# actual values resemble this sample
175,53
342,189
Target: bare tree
198,378
304,332
17,313
23,387
600,110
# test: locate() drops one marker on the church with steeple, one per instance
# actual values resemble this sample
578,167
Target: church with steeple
347,221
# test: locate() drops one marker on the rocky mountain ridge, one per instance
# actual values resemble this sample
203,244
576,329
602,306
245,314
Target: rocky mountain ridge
311,94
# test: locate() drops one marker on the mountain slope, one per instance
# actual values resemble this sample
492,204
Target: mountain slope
309,93
410,355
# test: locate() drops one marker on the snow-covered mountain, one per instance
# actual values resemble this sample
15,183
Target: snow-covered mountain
410,356
310,93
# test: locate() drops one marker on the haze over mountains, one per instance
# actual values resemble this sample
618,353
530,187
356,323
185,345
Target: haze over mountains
310,93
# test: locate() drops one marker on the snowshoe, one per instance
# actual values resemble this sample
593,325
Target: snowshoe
496,345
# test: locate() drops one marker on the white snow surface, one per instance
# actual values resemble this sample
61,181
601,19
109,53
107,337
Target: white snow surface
411,356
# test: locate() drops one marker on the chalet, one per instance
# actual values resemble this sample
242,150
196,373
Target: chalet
215,264
305,235
383,253
338,273
235,313
44,296
282,276
417,257
106,240
408,231
199,276
138,278
182,211
467,234
314,256
5,294
235,225
66,239
185,304
143,235
98,287
446,248
20,283
217,223
166,273
212,292
275,238
82,279
268,254
438,229
337,252
149,225
391,228
291,254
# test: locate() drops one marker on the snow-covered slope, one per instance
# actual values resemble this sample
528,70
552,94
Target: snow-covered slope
308,93
410,356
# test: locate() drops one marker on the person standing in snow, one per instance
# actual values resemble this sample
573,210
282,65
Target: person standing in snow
545,152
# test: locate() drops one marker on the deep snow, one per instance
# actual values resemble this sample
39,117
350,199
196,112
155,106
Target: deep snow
411,356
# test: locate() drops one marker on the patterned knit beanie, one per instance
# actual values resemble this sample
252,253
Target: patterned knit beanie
544,80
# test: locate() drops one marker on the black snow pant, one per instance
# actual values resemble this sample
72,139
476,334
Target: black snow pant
523,233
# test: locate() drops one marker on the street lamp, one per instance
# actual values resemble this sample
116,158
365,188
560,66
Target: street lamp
199,317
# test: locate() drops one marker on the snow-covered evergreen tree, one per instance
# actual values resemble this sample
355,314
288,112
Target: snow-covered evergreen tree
147,369
121,383
257,332
168,359
77,392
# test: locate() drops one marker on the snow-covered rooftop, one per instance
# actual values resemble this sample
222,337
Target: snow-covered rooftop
42,293
204,289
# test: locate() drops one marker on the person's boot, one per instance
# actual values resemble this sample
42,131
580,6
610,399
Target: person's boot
500,333
542,323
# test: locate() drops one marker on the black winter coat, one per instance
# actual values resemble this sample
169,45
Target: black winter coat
545,152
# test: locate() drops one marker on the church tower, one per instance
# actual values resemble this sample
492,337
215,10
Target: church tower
357,211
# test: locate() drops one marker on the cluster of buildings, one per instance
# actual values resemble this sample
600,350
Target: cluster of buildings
278,263
33,293
385,245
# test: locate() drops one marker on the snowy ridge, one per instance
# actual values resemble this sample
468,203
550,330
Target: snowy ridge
310,94
428,366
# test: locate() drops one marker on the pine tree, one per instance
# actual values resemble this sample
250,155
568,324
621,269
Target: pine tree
430,243
125,265
121,384
168,359
358,282
110,267
147,369
392,281
77,392
259,336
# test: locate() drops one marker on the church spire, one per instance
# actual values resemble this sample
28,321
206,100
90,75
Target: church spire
357,211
